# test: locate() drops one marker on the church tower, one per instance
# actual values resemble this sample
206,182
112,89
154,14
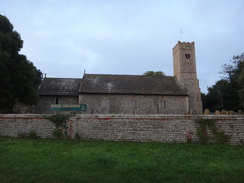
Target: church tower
185,72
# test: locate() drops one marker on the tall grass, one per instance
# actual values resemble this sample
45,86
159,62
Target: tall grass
42,160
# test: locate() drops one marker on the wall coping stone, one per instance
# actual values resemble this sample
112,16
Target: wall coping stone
123,116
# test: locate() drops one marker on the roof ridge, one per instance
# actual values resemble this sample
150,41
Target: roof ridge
125,75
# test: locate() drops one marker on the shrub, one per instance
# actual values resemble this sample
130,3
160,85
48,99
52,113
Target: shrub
58,134
202,132
33,135
58,119
77,136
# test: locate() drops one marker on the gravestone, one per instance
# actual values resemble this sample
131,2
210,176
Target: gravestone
223,112
217,112
206,112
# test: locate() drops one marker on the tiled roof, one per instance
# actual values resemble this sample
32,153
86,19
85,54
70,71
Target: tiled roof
130,84
59,86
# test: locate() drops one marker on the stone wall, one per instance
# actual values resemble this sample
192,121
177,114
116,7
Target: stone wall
134,104
16,124
161,128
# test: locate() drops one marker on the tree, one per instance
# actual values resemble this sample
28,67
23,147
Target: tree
240,78
153,73
221,96
19,78
227,93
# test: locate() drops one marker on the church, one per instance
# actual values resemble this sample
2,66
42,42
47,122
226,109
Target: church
130,94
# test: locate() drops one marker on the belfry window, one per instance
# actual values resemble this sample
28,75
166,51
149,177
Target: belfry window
188,56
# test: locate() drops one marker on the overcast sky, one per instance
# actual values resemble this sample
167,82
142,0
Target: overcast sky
65,37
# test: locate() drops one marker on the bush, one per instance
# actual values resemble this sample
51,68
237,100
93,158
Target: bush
77,136
33,135
30,135
202,132
57,134
58,119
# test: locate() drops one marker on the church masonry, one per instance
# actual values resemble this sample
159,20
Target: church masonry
130,94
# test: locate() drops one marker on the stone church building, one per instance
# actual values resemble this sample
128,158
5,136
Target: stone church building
130,94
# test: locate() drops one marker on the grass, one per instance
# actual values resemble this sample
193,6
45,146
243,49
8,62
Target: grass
54,161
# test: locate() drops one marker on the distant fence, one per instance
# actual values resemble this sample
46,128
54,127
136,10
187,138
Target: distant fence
161,128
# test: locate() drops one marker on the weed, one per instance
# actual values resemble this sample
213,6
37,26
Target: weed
58,119
77,136
33,135
30,135
202,132
58,134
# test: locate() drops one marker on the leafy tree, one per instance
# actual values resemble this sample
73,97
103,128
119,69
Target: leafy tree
234,69
19,78
221,96
241,84
153,73
227,93
240,77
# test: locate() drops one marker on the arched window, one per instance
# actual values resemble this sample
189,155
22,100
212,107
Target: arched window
188,56
134,104
163,104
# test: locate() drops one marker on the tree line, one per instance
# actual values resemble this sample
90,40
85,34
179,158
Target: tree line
228,92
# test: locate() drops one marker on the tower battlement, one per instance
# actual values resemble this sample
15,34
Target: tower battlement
184,46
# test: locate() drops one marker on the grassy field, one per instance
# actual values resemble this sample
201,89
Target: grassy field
54,161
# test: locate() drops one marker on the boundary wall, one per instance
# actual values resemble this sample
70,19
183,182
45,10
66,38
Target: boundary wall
144,128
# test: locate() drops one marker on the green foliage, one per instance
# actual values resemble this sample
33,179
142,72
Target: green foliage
45,160
221,137
58,134
202,132
153,73
227,93
33,135
19,76
77,136
240,81
30,135
58,119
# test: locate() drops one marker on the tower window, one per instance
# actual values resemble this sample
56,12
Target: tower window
188,56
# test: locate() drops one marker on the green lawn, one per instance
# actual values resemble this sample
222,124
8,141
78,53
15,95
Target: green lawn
42,160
